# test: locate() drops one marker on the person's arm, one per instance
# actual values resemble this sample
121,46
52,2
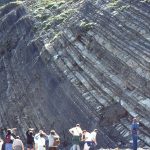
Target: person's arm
36,135
80,131
13,146
57,136
83,137
131,128
71,131
44,134
27,133
13,136
22,146
93,135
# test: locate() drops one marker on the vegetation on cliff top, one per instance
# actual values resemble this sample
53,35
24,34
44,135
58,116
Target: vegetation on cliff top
51,13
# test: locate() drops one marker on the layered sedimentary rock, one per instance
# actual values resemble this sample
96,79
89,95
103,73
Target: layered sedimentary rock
92,67
32,93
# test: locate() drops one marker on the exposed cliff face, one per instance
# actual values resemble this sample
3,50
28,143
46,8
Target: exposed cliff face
33,93
87,62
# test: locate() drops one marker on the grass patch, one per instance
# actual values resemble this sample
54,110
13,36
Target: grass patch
53,4
148,1
112,4
56,20
86,26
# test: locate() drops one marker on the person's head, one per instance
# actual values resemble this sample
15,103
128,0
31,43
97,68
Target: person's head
134,120
77,125
41,133
84,131
30,132
52,132
8,131
17,137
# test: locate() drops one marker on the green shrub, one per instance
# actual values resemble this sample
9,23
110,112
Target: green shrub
86,25
113,3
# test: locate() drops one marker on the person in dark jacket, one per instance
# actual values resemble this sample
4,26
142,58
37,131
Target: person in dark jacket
30,139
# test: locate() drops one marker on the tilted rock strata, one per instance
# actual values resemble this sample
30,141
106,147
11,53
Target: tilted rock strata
32,93
109,61
103,50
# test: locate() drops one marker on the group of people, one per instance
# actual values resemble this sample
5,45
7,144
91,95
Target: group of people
37,141
43,141
11,141
33,141
83,136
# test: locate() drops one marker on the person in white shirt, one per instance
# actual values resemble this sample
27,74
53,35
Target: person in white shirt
76,132
86,137
93,138
1,143
39,140
17,144
54,140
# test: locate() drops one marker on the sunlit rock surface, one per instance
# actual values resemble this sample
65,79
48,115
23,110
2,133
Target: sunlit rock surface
80,61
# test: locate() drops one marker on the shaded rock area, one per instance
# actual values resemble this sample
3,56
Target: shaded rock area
69,62
112,114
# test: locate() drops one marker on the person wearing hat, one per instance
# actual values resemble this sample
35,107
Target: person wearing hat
134,132
18,144
54,140
77,133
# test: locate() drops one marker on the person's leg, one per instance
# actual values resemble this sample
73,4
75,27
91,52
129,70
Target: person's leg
36,146
86,147
8,146
78,147
74,147
134,138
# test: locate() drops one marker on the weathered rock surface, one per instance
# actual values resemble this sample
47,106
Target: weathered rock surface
81,68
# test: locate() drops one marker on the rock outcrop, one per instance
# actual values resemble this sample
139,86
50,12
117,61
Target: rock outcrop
87,62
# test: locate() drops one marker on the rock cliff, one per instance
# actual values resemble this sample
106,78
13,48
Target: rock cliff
63,62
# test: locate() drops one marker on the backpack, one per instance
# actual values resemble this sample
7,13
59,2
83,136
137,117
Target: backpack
56,141
8,138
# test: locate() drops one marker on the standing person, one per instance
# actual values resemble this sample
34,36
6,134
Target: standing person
86,137
30,139
8,140
2,133
53,139
1,143
76,132
39,140
93,138
134,133
17,144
